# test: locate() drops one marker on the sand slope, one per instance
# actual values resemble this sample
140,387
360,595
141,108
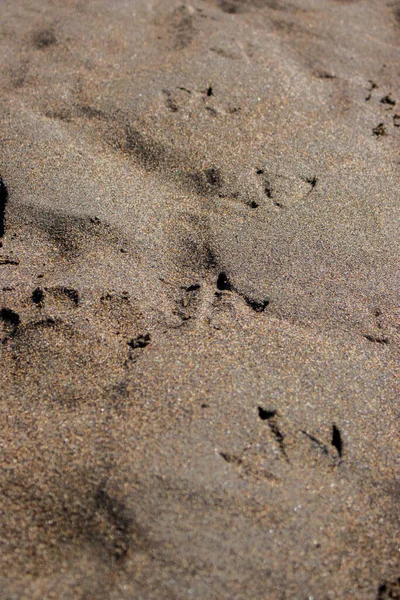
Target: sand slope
199,278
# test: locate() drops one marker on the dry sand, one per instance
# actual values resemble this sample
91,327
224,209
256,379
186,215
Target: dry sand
199,213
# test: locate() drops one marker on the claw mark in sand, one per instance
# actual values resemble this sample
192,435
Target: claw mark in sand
266,414
245,468
37,296
379,130
141,341
224,284
373,86
316,441
270,417
388,100
11,320
377,339
138,343
337,440
312,181
10,317
8,260
388,590
72,294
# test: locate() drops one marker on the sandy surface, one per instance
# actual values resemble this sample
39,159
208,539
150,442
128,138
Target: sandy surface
199,216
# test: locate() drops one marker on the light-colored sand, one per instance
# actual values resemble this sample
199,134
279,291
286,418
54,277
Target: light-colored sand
200,299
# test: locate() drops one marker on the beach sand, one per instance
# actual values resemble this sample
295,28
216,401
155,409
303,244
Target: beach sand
199,314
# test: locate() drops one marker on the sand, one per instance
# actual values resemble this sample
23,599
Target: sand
199,313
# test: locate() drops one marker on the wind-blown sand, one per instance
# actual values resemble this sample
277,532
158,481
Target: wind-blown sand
199,216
